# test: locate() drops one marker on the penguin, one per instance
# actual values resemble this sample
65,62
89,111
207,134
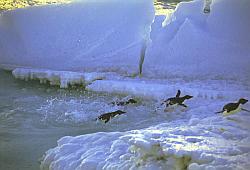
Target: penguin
177,100
232,108
206,10
207,6
123,103
107,116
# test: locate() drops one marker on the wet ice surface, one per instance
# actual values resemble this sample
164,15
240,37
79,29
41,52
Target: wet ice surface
193,138
33,117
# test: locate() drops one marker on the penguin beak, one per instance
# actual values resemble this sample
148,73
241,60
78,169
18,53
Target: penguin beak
243,101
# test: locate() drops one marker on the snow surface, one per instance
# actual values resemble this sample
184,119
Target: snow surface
203,141
159,89
204,55
200,54
80,36
156,89
194,44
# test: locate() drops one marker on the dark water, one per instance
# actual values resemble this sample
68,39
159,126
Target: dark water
34,116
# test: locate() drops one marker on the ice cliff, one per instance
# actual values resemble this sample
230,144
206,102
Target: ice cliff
96,35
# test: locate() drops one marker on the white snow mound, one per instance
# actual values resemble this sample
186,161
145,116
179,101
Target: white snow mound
194,44
86,35
159,148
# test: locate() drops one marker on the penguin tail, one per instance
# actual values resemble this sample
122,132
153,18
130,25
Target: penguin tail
163,102
219,112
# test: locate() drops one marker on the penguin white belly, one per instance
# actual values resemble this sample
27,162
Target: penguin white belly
225,113
170,108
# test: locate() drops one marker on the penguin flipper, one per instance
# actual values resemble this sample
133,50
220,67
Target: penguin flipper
178,93
219,112
165,101
107,120
245,110
183,105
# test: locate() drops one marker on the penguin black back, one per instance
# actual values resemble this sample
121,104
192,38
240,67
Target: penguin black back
231,108
107,116
177,100
123,103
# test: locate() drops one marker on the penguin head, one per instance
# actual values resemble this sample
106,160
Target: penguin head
132,101
188,97
243,101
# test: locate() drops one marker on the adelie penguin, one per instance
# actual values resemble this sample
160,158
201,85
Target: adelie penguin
123,103
232,108
107,116
177,100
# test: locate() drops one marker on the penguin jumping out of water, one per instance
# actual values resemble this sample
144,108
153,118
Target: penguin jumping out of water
177,100
232,108
107,116
123,103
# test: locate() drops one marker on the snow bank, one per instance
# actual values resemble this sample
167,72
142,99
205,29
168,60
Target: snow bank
163,89
159,147
194,44
193,139
80,36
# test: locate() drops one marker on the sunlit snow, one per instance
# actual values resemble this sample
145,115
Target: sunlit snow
97,45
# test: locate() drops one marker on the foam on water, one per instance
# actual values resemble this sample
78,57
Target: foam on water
173,145
34,116
210,63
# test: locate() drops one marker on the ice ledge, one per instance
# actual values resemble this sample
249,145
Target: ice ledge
160,89
146,88
61,78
